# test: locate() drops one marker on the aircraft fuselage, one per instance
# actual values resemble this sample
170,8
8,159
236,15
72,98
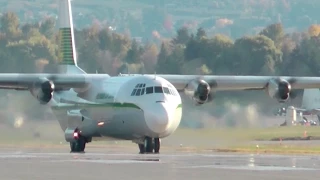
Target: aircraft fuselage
122,107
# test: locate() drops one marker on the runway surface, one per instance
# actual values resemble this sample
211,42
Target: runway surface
100,163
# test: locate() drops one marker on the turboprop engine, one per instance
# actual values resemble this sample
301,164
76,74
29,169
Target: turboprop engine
199,91
43,90
279,89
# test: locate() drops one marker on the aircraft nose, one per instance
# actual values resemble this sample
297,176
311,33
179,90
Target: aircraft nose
157,118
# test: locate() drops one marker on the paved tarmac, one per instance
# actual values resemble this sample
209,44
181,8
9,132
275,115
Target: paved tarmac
100,163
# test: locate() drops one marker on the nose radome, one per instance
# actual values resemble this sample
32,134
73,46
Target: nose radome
157,117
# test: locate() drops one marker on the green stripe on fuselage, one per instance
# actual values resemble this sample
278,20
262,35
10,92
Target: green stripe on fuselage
107,105
84,105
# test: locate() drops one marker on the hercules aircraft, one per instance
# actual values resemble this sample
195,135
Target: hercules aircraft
139,108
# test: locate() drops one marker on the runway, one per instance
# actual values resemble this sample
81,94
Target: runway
101,163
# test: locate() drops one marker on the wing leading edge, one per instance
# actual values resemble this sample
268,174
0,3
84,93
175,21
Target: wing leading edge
25,81
60,81
241,82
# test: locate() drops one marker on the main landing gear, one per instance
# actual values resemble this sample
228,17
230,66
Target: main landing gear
151,145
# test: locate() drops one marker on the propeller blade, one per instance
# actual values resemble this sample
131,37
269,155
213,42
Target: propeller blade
210,97
292,81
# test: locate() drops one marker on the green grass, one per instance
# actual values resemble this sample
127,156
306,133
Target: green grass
241,140
272,149
251,134
213,139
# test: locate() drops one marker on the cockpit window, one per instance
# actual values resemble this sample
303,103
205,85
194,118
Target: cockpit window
149,90
158,89
138,92
141,89
172,91
133,92
166,90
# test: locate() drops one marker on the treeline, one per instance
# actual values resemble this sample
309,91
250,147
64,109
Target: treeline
29,48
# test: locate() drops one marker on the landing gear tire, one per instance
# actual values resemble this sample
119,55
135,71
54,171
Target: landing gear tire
156,145
78,145
141,148
150,146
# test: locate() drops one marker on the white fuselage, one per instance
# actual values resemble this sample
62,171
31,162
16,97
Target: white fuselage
122,107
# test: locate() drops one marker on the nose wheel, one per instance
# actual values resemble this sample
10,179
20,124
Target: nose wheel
78,145
151,145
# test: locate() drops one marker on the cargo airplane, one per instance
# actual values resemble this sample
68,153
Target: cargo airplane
139,108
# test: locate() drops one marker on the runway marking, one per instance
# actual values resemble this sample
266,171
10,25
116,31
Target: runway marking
257,168
108,161
21,156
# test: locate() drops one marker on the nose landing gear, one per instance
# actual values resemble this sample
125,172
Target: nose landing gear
77,140
78,145
151,145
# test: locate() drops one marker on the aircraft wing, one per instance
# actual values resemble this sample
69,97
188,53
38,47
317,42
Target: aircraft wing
308,111
242,82
25,81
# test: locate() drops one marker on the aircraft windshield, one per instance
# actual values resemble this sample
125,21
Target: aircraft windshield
141,89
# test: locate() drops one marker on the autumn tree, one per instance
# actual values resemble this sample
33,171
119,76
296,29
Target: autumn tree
314,30
217,52
201,33
10,25
47,27
182,36
308,53
134,53
256,55
275,32
170,59
149,57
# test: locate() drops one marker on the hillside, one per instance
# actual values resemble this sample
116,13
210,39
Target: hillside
141,17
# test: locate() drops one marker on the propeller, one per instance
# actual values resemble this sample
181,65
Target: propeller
212,84
293,93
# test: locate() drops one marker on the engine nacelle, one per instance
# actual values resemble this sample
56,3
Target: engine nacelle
279,89
199,91
43,90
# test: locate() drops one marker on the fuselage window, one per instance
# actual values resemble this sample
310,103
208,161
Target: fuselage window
137,85
166,90
158,89
144,85
149,90
142,91
140,85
